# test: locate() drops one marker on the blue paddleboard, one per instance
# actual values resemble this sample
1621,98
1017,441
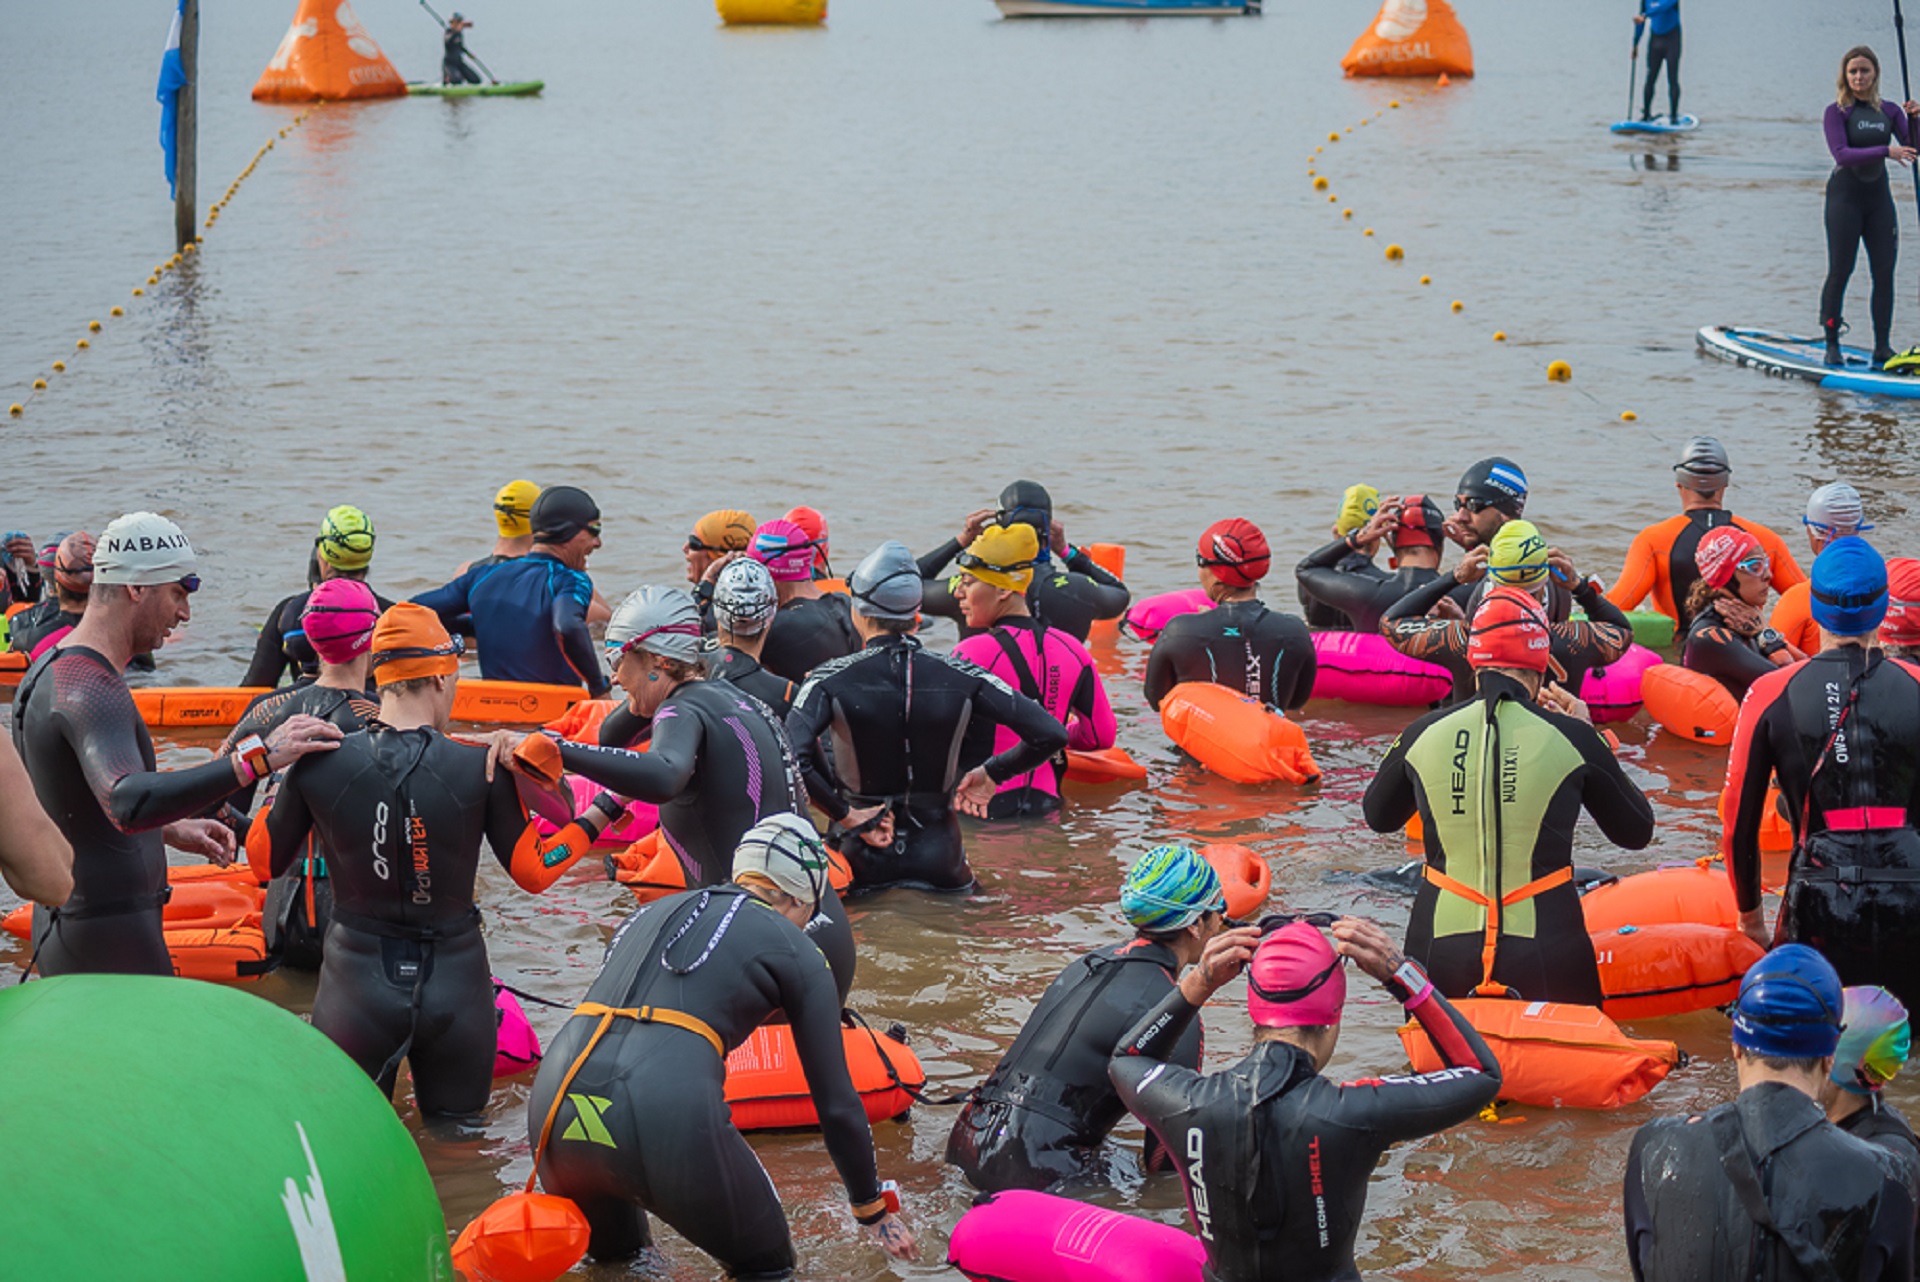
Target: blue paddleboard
1658,125
1793,356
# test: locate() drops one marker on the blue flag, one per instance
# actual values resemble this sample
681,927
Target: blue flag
172,77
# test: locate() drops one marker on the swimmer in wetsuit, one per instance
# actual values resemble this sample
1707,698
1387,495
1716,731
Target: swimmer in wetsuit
530,614
714,535
1342,577
1727,639
1875,1038
1660,562
1240,643
896,717
1044,1112
1043,663
72,575
93,767
1498,783
1863,133
1069,594
401,811
1275,1158
627,1114
343,549
744,601
1357,505
813,523
812,626
1833,512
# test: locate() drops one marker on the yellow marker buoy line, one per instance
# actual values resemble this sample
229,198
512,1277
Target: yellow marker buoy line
41,384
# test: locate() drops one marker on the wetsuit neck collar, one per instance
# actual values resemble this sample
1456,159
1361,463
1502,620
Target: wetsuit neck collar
887,640
1289,1065
1498,685
742,663
1775,1114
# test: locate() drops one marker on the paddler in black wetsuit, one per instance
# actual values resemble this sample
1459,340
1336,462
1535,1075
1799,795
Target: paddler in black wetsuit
1276,1158
627,1114
401,810
453,62
1342,577
1042,1115
93,768
1240,643
896,716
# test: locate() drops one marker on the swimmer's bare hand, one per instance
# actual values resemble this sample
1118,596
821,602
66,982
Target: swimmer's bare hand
1384,518
896,1239
208,838
1562,566
499,745
1446,608
1557,699
975,792
712,573
1370,947
1473,566
1459,531
1057,538
976,522
297,736
1225,956
1738,615
880,836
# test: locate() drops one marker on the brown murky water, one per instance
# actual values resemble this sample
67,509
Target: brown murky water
883,268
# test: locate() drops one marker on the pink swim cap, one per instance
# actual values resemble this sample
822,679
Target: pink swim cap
785,550
339,619
1295,980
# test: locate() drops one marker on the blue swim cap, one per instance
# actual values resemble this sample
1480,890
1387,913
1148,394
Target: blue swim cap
1849,587
1875,1042
1170,887
1790,1005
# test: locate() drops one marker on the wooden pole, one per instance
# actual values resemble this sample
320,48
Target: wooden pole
184,219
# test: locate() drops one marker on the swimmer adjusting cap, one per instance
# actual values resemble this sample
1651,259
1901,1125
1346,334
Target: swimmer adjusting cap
345,541
1498,482
1295,979
1422,524
785,550
1790,1005
409,641
1235,551
725,530
887,584
513,508
73,563
787,851
1509,630
561,512
142,549
1720,552
1849,587
744,598
1902,624
1003,556
1834,510
1357,507
1517,558
662,621
339,618
1703,465
1170,887
1028,502
1874,1043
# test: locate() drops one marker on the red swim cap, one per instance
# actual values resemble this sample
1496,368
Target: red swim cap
1295,980
814,522
1236,552
1509,630
1419,525
339,619
1720,550
1902,624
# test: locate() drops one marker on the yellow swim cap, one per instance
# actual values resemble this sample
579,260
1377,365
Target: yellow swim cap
1518,556
727,530
346,539
1357,507
1003,556
513,509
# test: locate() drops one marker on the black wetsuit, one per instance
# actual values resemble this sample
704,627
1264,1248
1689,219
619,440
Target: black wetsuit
1069,595
1860,208
299,904
1883,1124
1041,1115
645,1127
1241,645
1733,659
36,623
453,61
1320,616
283,643
806,632
1578,645
1359,593
1853,887
1499,783
402,814
93,770
896,717
1663,50
1835,1195
1275,1158
741,669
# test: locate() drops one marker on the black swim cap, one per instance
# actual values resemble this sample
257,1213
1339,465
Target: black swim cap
1028,503
1498,482
561,512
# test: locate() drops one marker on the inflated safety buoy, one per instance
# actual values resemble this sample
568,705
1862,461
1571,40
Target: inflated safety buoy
517,1046
227,955
327,55
1104,765
1148,617
1671,968
1363,667
1022,1236
1555,1055
1687,893
478,700
784,13
523,1237
1235,735
1411,38
1244,876
767,1088
651,870
1612,693
1690,704
1776,831
581,722
639,819
13,666
174,707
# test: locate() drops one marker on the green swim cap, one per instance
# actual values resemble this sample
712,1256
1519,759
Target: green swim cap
1357,507
346,539
1518,556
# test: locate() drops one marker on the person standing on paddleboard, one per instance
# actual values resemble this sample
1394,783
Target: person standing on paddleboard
453,63
1661,18
1863,136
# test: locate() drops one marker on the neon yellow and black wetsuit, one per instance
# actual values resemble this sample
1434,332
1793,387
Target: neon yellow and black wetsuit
1499,784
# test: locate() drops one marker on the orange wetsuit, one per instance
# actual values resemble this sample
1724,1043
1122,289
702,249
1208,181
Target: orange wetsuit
1793,618
1660,561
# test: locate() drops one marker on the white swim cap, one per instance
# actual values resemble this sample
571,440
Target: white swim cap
662,621
142,549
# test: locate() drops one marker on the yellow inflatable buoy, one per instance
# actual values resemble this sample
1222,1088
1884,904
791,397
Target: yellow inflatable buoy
1395,254
59,367
1367,232
83,344
39,384
1426,280
1320,184
1499,335
771,12
16,409
116,310
1559,372
1459,306
1346,213
1333,137
93,327
1628,416
139,292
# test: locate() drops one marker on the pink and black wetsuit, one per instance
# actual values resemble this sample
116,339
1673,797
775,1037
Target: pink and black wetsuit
1055,671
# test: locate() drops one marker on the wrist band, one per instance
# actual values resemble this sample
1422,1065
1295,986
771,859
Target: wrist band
252,753
1409,983
607,806
868,1213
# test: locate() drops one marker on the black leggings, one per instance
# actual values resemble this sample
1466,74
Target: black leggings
1663,50
1858,211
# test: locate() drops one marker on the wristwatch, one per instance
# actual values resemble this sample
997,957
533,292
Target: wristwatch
1409,983
252,752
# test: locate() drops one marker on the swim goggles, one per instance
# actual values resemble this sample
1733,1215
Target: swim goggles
355,541
1835,531
455,646
1473,506
968,561
1755,563
191,582
1038,517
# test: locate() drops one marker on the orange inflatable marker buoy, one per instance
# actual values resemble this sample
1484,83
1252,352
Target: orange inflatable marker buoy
1701,896
581,722
1111,557
234,954
1555,1055
648,868
524,1237
1671,968
1235,735
1412,38
326,54
512,703
1104,765
1690,704
1244,876
1776,831
767,1089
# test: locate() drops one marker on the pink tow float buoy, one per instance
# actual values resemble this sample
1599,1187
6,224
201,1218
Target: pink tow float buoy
1021,1236
518,1047
1363,667
1612,693
1148,617
641,818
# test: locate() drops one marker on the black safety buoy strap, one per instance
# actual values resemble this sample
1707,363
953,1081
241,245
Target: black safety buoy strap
1736,1159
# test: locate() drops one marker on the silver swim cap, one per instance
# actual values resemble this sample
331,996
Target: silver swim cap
887,584
662,621
744,598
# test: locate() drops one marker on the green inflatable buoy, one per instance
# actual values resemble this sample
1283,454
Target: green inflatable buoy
169,1130
1651,628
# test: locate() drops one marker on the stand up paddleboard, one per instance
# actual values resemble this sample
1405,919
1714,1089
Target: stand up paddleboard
505,89
1789,356
1658,125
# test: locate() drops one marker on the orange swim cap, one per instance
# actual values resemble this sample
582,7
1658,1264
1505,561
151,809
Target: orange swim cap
410,641
725,530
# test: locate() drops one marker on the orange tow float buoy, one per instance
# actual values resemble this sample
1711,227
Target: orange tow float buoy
651,870
13,666
1555,1055
1671,968
1235,735
174,707
1244,876
581,722
767,1088
1104,765
1691,704
523,1237
327,55
1412,38
1691,893
1776,832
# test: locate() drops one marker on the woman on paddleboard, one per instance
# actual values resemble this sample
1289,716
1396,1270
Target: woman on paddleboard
1863,136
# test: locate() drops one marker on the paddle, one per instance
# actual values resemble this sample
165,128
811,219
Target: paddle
1633,70
1906,88
496,80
